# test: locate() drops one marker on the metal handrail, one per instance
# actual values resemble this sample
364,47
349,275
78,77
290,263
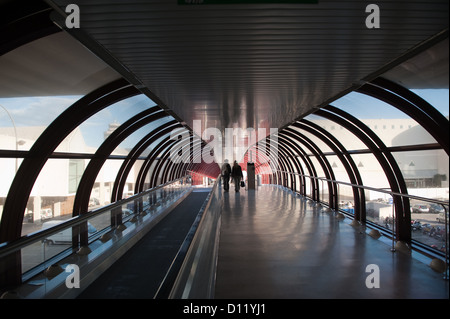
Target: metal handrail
381,190
196,173
7,248
170,280
444,204
200,247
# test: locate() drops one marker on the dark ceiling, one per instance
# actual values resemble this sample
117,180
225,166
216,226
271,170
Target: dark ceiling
255,65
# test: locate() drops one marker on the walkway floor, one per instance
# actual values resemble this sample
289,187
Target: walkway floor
275,245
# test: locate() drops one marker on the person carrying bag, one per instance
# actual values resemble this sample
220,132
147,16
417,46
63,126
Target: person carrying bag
236,174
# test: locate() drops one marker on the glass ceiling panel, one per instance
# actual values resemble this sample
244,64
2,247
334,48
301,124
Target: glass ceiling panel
392,126
317,141
127,145
347,138
152,146
23,119
439,98
92,133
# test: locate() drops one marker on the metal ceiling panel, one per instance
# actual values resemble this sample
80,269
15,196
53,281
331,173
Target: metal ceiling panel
261,65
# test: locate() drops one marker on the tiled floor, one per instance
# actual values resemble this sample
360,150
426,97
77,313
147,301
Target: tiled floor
275,245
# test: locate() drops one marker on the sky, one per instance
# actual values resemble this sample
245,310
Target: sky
41,111
366,107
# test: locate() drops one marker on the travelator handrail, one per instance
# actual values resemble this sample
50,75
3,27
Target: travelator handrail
197,173
192,273
8,248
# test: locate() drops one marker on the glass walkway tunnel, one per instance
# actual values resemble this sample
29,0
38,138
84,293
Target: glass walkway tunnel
113,115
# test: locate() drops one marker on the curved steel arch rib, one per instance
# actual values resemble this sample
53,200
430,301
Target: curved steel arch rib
167,157
286,146
134,154
386,160
87,181
323,161
301,153
151,158
345,158
56,132
412,105
28,172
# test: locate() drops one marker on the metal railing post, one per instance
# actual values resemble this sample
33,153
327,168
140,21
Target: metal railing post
393,225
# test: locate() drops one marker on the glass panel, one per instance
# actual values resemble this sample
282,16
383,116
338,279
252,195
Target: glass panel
152,146
317,141
317,166
379,208
104,183
76,169
428,223
37,254
439,98
426,172
8,170
391,125
348,139
308,187
371,171
346,198
128,190
53,193
324,191
125,147
23,119
91,133
338,168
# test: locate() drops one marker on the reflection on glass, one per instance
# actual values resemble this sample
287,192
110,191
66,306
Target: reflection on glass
138,210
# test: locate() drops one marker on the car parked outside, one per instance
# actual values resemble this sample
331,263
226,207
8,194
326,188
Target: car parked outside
436,209
63,236
420,208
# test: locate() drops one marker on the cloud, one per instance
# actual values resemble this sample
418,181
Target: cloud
35,111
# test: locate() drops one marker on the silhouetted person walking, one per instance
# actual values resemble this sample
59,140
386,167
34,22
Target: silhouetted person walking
237,175
226,172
